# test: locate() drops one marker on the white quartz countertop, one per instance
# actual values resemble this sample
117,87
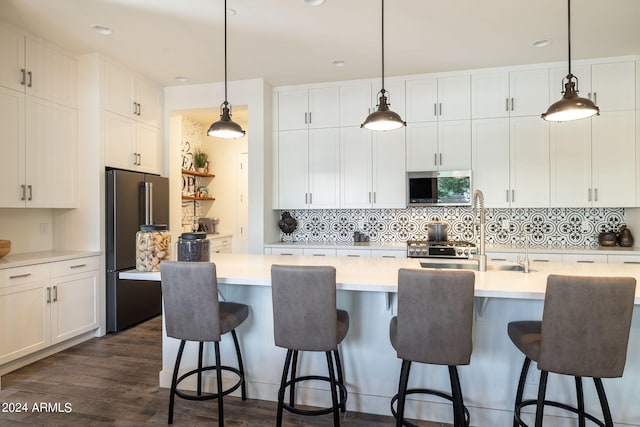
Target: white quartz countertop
370,274
31,258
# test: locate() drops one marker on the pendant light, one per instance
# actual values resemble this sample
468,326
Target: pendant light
571,106
225,127
383,118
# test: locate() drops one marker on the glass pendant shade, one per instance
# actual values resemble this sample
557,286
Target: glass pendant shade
571,106
225,127
383,118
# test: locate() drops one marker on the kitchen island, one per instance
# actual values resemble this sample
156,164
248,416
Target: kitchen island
367,289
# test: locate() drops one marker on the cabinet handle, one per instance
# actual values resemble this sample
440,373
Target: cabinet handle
305,119
24,192
595,194
369,196
134,107
285,253
135,158
631,262
540,260
507,197
388,256
440,159
30,78
78,266
48,295
595,97
306,198
139,109
30,192
55,293
589,95
319,255
374,197
24,76
440,109
310,198
589,195
506,104
513,104
354,256
498,259
584,261
435,159
310,117
435,109
513,195
139,159
20,276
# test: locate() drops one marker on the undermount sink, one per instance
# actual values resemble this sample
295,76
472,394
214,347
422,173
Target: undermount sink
471,265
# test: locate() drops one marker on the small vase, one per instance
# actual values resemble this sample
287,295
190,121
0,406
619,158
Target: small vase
625,238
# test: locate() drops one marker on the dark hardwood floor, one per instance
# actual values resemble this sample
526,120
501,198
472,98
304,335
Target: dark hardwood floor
113,381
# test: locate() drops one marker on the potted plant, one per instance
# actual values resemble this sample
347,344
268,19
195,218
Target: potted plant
200,160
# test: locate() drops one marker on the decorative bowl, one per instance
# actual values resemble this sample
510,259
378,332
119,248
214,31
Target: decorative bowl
5,247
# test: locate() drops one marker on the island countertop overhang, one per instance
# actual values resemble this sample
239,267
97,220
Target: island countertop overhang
368,274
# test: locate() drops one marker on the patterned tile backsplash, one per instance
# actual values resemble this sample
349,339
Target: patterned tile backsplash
552,227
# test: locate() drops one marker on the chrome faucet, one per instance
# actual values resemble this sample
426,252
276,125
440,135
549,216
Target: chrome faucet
478,202
525,261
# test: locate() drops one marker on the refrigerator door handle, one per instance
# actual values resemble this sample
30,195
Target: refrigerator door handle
148,202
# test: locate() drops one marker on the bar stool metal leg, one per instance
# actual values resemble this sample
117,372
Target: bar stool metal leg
402,390
580,400
521,382
542,391
243,387
334,393
606,412
219,382
292,388
343,396
200,351
283,382
174,381
456,394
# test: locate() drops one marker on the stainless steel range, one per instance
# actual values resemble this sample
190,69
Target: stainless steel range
447,249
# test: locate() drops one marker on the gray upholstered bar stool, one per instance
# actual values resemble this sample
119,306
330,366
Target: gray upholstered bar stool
192,313
306,319
584,332
433,325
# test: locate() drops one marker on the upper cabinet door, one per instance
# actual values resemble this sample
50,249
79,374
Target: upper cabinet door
12,147
490,95
148,100
422,100
119,87
324,168
454,98
355,104
293,109
490,146
528,92
12,54
324,110
51,75
389,169
613,86
529,155
356,185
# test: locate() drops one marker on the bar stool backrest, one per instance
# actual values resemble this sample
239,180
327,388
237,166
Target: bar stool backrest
585,325
190,294
304,307
435,316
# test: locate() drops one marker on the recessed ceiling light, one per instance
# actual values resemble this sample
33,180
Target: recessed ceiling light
101,29
182,79
338,63
541,43
314,2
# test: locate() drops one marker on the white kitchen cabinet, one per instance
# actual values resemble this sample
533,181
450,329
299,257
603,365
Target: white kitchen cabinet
511,161
31,66
308,168
47,304
308,108
39,149
435,146
23,298
372,169
130,95
610,85
355,103
220,244
509,94
131,145
74,298
585,258
438,99
623,259
591,158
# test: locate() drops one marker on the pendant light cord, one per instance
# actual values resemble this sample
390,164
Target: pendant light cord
225,53
569,32
383,91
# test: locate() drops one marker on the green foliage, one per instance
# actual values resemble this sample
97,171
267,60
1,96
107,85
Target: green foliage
200,158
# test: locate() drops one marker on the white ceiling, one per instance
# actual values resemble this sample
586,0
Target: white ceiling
291,42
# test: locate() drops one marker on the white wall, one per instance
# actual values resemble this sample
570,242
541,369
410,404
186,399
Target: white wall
256,95
23,228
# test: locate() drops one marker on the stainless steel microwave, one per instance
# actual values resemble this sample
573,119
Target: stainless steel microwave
439,188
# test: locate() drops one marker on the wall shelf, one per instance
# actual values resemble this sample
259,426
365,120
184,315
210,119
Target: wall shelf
196,173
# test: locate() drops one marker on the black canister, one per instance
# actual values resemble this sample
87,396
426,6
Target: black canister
193,247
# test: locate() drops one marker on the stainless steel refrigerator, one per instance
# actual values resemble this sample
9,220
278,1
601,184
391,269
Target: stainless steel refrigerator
133,199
